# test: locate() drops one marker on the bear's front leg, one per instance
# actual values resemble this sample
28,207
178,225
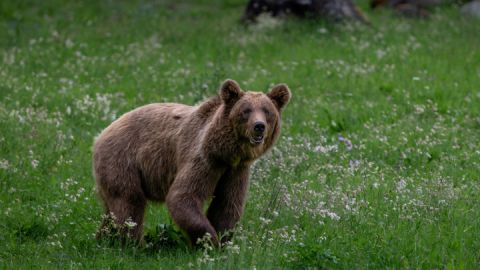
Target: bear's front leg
185,199
229,201
186,211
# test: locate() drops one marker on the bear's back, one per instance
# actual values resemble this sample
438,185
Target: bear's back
144,140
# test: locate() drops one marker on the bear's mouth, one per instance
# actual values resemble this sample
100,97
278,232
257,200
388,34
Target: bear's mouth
256,140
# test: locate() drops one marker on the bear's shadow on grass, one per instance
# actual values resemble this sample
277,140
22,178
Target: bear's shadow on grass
164,237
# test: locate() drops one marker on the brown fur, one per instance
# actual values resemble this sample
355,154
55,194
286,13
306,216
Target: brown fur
183,155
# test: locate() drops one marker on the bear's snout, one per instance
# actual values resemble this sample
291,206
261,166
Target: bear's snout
258,133
259,127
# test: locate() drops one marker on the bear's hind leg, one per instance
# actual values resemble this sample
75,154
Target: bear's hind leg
124,200
104,226
128,214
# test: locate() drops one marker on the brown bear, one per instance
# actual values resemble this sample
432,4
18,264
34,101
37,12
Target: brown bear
184,155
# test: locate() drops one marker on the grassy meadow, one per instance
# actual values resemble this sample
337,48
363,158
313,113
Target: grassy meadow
377,167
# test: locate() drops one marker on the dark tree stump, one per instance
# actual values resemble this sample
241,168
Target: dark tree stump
407,8
335,10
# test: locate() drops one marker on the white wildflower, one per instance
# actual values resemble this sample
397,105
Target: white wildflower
130,224
4,164
35,163
401,185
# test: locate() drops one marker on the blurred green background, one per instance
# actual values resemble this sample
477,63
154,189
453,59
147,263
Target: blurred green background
377,166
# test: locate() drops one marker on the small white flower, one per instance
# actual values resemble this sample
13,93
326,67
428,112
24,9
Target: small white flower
380,53
347,142
68,43
4,164
130,224
265,221
401,185
322,30
35,163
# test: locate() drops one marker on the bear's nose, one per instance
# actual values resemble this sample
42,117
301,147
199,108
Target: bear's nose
259,127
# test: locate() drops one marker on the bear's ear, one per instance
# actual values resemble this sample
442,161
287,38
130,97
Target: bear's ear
230,91
280,95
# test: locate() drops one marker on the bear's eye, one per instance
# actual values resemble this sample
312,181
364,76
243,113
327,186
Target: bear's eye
266,111
247,111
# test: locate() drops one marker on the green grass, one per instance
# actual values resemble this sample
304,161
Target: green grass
377,166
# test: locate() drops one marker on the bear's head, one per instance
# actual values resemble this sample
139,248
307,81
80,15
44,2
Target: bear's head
254,116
